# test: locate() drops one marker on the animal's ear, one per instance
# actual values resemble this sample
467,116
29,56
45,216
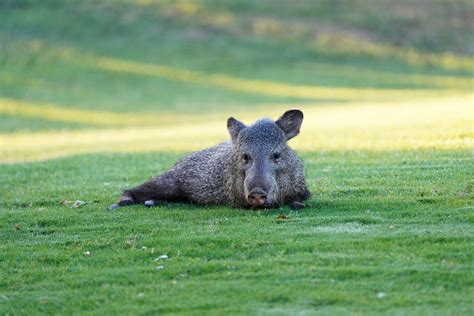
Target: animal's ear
234,126
290,123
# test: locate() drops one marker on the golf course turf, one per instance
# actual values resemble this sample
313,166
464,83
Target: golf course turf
96,97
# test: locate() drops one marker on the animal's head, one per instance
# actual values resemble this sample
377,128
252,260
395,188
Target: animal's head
264,156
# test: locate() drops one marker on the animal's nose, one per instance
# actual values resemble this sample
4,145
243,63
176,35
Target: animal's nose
257,197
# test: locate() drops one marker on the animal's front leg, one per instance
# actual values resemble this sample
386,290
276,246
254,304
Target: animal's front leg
297,202
296,205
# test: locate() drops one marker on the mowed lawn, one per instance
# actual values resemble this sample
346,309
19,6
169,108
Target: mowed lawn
95,98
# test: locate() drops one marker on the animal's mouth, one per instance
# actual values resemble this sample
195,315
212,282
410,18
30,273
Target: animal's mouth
260,207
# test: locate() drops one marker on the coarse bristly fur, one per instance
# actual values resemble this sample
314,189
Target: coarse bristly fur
255,169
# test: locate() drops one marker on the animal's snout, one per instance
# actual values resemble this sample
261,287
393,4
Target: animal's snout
257,197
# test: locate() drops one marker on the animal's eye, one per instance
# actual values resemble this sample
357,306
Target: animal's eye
276,157
245,158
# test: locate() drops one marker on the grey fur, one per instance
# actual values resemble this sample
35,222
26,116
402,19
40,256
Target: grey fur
221,175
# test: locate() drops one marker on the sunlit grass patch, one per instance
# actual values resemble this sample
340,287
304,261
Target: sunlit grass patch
253,86
248,85
346,45
240,84
429,123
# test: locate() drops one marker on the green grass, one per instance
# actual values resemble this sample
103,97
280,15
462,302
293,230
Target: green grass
97,97
398,223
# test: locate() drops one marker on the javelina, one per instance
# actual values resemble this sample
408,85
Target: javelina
255,169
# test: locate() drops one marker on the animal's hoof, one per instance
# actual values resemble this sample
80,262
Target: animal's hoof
296,205
113,207
150,203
